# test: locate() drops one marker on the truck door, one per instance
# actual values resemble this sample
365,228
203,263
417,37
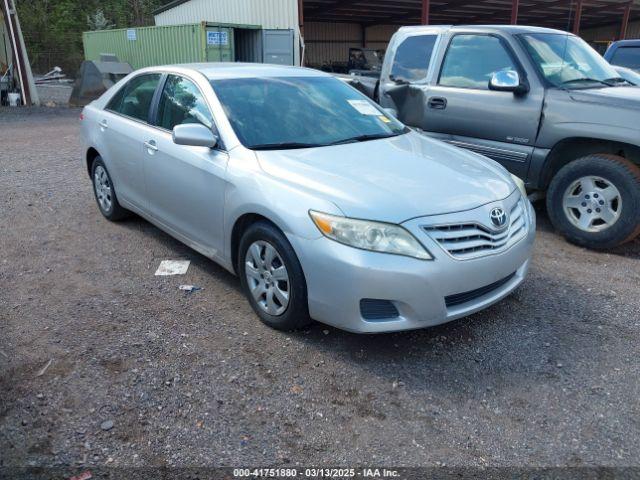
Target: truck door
461,109
404,77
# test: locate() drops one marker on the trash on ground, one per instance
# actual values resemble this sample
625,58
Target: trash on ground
189,288
173,267
83,476
106,425
45,368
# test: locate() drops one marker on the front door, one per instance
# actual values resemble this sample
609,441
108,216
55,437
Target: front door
500,125
186,185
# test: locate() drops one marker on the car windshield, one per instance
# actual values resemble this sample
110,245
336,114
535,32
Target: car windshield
569,62
275,113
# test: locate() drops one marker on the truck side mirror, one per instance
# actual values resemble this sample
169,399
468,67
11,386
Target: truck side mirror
508,81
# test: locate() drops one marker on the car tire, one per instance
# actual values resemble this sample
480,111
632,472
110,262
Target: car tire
279,297
105,193
594,201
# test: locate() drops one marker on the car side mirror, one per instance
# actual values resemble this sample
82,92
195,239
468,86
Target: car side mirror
194,135
508,81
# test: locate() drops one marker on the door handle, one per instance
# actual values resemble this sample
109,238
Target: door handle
437,103
152,146
103,125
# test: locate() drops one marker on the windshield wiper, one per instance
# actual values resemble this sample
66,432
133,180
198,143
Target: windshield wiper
618,80
283,146
364,138
587,79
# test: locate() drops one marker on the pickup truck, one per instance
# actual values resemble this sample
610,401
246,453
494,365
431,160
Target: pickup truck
539,101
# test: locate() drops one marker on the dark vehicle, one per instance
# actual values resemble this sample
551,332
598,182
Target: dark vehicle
365,59
539,101
625,53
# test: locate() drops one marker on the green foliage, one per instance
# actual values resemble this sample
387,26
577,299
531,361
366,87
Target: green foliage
53,28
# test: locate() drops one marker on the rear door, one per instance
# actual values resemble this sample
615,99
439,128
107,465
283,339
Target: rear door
404,81
462,110
123,124
277,47
185,184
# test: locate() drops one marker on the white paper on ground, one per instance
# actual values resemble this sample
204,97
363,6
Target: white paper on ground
173,267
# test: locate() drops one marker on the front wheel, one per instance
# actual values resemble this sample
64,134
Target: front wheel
595,201
272,278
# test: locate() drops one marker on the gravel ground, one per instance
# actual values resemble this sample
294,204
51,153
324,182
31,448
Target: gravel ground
142,374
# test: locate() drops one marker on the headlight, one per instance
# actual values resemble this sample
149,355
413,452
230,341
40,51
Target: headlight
520,185
373,236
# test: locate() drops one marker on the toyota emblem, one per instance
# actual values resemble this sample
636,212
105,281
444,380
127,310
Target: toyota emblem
498,217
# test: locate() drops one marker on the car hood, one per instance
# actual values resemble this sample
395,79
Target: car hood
622,97
392,180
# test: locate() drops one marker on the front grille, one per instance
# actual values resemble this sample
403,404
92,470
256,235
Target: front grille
377,310
460,298
471,240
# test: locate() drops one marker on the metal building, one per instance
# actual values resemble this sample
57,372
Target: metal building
324,30
276,38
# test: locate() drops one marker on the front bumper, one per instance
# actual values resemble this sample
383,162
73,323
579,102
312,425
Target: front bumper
339,277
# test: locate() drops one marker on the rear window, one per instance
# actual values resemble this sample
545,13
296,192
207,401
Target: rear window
134,99
411,62
627,57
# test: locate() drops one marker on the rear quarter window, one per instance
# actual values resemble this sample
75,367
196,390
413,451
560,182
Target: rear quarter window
627,57
411,62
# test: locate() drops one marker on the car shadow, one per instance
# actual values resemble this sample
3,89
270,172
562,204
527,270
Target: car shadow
180,250
532,337
628,250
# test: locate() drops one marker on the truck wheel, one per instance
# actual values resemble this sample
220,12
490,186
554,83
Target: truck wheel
595,201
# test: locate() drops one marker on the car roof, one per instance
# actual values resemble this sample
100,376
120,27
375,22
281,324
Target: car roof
225,70
626,43
512,29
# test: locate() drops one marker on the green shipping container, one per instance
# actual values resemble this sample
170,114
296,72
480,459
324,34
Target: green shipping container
150,46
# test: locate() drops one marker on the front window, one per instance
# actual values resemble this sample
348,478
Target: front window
180,103
472,60
567,61
298,112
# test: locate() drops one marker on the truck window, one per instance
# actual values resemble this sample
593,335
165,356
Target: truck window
412,58
627,57
472,60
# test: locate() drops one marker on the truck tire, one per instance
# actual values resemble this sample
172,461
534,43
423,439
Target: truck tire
595,201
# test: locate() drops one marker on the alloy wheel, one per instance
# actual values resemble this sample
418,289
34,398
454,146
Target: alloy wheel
592,204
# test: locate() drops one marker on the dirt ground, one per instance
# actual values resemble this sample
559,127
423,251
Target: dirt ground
142,374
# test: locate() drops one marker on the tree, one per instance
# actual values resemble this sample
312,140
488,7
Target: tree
53,28
98,21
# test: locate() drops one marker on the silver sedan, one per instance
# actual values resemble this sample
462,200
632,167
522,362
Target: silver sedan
324,205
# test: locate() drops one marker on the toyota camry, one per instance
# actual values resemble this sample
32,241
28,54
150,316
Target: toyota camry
324,204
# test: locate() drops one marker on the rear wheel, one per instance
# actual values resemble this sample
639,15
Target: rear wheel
272,278
105,192
595,201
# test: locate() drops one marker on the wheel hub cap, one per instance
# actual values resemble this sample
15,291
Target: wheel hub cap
592,204
267,278
103,188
